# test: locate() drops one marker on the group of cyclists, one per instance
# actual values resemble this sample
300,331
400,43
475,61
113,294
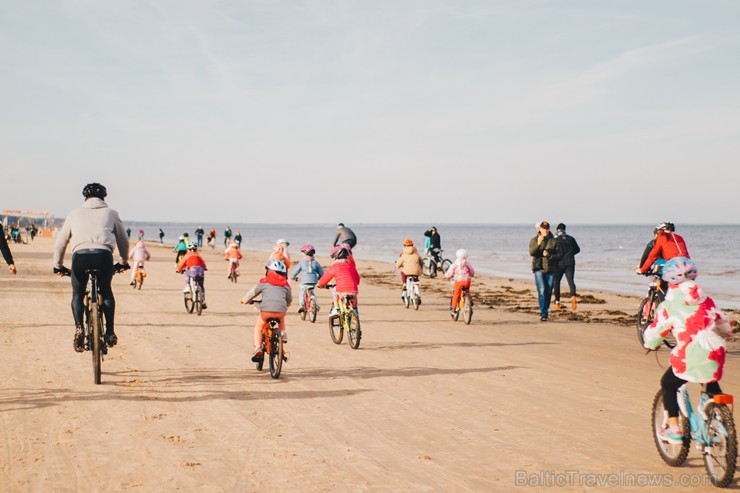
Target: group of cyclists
700,329
95,231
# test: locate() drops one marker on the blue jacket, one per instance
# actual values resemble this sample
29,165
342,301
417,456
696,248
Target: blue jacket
311,270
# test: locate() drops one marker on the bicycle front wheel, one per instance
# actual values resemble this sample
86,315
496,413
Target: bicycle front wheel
446,264
672,454
353,329
428,267
276,355
468,309
720,459
95,333
198,302
336,330
189,304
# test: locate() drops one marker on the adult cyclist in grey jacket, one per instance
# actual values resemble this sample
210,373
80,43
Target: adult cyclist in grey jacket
94,231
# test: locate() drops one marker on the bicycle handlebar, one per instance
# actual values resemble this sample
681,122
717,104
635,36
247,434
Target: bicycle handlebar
66,272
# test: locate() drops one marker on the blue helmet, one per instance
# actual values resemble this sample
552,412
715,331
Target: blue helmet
679,269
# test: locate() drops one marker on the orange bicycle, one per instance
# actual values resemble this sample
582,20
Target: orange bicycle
272,346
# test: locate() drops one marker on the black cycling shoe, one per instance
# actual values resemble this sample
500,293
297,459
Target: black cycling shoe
79,340
111,339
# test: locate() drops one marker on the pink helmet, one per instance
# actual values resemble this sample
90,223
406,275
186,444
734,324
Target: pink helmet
340,251
307,248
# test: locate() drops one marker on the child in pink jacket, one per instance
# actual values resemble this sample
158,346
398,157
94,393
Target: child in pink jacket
461,272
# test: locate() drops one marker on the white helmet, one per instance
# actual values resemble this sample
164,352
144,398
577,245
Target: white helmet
461,253
277,266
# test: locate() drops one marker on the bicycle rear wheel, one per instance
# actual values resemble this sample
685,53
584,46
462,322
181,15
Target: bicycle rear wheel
672,454
95,333
353,329
467,309
720,459
416,301
406,299
312,311
336,330
276,354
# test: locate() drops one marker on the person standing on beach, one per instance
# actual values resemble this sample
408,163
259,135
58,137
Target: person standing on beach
344,236
199,235
545,254
227,236
433,244
566,265
161,235
6,252
94,230
128,233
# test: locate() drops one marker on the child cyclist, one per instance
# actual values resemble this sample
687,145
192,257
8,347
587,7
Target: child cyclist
461,272
345,275
139,254
310,271
410,263
701,332
276,298
195,268
233,255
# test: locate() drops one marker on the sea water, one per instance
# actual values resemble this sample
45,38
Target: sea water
609,254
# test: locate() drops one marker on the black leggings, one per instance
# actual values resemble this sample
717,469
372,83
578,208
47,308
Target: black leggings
102,260
670,384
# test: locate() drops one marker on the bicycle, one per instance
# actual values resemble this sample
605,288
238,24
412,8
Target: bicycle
464,305
139,276
310,304
712,426
272,345
194,297
434,262
412,294
233,271
646,313
346,320
94,333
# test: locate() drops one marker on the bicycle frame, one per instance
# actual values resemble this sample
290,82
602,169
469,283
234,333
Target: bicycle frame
309,295
413,286
698,420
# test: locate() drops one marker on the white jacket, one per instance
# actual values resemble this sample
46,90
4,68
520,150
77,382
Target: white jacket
93,225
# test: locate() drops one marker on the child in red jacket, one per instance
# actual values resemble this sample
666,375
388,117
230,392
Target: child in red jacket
345,275
195,268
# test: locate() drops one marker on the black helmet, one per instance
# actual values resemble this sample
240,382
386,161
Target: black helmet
666,226
94,190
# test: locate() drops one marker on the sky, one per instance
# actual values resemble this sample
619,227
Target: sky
427,111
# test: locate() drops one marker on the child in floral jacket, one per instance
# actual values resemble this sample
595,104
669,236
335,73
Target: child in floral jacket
701,333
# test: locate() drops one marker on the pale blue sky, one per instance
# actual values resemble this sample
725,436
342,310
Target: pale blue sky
374,111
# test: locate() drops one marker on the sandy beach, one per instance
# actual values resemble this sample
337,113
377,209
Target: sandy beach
425,405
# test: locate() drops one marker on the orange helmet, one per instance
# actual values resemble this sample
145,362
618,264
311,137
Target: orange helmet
408,242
